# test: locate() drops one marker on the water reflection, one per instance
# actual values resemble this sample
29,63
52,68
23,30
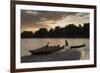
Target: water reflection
32,44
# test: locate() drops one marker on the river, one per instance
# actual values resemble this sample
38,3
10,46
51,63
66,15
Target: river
34,43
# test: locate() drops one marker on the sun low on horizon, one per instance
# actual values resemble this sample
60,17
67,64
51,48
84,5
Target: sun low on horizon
33,20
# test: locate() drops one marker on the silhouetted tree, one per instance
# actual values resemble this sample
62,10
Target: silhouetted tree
70,31
42,32
51,32
27,34
57,31
86,29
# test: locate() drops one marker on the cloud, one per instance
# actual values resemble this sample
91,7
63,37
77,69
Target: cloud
31,12
32,16
49,19
77,18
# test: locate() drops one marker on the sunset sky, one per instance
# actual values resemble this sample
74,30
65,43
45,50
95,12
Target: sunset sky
32,20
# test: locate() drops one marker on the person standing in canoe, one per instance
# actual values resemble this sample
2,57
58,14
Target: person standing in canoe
66,42
66,45
47,44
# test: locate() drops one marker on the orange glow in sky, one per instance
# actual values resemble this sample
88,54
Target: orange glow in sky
32,20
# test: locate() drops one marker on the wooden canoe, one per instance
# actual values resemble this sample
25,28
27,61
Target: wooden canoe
78,46
46,50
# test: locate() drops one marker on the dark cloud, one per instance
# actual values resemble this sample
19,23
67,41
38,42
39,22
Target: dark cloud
31,16
38,19
27,18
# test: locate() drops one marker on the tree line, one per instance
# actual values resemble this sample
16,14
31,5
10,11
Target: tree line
69,31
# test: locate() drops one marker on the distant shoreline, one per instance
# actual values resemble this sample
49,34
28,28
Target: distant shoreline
69,31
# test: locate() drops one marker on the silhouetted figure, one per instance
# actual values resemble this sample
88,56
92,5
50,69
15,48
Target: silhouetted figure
66,45
66,42
58,45
47,44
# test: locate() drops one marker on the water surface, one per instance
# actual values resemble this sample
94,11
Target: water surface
34,43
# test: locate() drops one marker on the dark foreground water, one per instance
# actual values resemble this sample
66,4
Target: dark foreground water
32,44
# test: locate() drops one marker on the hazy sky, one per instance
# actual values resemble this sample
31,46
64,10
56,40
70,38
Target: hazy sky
32,20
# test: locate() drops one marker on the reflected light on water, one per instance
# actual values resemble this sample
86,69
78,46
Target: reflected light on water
32,44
